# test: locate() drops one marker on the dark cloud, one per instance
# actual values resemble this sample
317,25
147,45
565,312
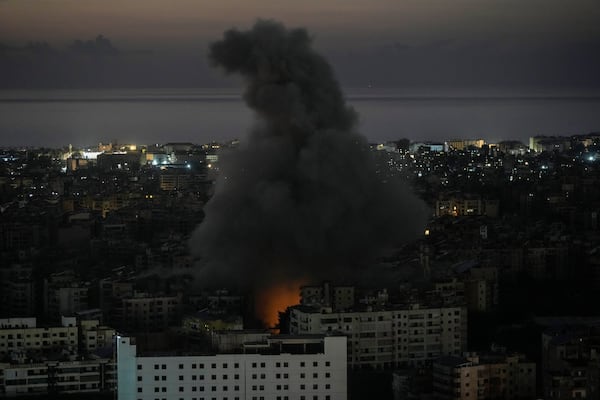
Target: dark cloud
301,199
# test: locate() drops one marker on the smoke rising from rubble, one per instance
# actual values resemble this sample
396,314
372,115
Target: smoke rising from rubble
300,198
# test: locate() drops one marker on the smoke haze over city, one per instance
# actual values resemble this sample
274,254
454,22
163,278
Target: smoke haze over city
300,199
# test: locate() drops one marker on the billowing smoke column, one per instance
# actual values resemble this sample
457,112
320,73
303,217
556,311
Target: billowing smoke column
300,199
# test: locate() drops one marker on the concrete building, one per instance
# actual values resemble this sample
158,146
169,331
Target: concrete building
491,376
146,312
18,293
94,337
462,144
338,297
64,294
570,359
409,335
57,377
21,338
281,368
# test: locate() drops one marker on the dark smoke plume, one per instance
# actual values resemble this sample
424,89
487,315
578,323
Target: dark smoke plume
301,198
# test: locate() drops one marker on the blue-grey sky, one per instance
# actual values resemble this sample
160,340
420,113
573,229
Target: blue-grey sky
384,43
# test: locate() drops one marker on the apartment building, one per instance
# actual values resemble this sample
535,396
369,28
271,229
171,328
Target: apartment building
396,336
494,376
20,335
147,312
280,368
57,377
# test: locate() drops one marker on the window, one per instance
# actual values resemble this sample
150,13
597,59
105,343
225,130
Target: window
180,366
236,365
327,363
156,390
302,364
156,377
327,375
139,390
213,388
315,364
302,375
225,377
180,377
181,388
155,366
315,375
194,377
262,365
139,378
285,364
236,376
213,365
213,377
139,366
224,365
278,365
164,366
194,366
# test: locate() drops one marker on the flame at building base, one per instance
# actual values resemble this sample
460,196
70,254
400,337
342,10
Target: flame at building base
272,300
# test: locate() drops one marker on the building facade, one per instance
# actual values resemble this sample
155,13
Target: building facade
484,377
390,337
282,368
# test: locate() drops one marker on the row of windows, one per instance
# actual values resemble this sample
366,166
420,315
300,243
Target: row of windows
235,365
302,397
45,335
315,387
236,388
235,376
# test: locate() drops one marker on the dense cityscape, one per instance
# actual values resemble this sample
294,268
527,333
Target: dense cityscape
495,299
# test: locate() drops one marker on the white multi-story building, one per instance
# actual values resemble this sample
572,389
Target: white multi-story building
310,367
389,337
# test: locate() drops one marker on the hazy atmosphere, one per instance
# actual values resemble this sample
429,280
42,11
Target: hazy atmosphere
531,46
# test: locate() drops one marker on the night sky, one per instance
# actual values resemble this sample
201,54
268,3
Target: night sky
550,44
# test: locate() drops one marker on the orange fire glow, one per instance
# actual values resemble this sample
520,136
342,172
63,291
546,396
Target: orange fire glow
278,297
